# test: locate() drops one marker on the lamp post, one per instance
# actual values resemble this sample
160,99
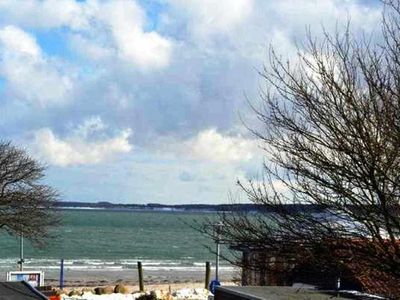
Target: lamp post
217,234
217,228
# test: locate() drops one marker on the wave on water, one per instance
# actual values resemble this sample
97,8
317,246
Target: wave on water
107,265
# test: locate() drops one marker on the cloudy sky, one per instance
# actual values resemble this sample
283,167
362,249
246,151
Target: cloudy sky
137,101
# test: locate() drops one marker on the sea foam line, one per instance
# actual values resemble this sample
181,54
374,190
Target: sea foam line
98,264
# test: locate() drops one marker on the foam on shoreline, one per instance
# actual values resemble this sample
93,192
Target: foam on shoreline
94,271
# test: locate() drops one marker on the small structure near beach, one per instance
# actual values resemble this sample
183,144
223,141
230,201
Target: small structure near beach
267,269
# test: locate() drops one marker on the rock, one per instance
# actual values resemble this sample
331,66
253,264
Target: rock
87,291
108,290
120,288
99,291
104,290
74,293
59,292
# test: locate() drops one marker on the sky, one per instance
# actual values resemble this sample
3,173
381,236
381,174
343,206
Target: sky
146,101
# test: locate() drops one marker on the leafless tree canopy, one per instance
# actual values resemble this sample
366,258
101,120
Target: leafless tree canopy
331,134
25,203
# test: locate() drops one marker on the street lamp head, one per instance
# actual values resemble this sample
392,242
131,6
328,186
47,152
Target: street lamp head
217,227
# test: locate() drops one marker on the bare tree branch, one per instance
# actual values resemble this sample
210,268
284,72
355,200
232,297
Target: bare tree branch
331,132
26,204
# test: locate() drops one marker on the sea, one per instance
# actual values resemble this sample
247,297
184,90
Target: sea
105,246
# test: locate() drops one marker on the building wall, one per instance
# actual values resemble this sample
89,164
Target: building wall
262,269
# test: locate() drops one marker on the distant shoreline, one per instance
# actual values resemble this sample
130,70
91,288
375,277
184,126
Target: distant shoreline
179,207
137,209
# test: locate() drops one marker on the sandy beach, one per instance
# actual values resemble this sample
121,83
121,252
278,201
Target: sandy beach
180,277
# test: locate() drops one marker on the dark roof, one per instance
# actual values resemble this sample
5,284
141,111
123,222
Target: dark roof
19,291
273,293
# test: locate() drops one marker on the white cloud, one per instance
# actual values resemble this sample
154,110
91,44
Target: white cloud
79,148
211,146
210,16
89,127
16,40
44,14
126,21
29,74
248,27
207,53
301,13
100,28
89,48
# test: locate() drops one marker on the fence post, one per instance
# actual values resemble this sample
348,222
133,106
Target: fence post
140,270
62,274
208,273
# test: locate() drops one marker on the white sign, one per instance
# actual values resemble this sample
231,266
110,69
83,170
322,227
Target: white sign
34,278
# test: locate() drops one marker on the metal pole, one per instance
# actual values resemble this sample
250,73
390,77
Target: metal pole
62,274
217,229
217,261
21,253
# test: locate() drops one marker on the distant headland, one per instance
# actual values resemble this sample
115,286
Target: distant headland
181,207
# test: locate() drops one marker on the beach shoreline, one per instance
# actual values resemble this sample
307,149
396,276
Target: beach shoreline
129,277
153,277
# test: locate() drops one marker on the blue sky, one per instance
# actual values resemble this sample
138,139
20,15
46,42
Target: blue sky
139,101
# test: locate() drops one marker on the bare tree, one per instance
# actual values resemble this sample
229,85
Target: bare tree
25,202
331,135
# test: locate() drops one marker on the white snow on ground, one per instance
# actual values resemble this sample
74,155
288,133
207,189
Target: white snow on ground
198,294
357,293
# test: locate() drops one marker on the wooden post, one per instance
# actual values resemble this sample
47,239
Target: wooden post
208,273
21,252
140,270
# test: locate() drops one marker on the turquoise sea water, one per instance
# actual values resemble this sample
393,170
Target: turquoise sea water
116,240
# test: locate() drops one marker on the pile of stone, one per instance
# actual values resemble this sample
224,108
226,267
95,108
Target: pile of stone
120,292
